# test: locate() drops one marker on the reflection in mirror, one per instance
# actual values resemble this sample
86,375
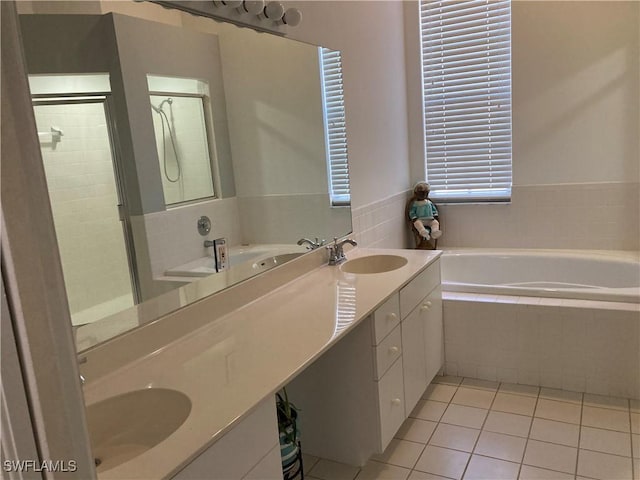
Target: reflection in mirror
182,137
145,127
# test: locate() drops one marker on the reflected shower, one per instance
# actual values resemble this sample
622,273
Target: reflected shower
163,118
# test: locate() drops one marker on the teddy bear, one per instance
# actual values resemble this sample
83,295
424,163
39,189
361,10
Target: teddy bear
423,213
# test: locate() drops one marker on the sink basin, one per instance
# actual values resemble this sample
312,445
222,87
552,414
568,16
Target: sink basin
374,264
127,425
276,260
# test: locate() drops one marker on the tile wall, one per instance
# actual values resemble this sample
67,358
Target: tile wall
171,237
576,345
82,188
190,138
573,216
381,224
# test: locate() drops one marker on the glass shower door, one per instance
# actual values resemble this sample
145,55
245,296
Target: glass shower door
85,200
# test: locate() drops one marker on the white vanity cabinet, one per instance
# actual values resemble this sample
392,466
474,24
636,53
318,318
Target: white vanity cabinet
422,339
355,397
251,450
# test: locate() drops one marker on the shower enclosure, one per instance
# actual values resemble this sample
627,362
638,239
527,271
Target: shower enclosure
183,146
86,201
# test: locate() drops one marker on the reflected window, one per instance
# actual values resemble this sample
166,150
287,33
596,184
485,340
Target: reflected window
183,135
335,127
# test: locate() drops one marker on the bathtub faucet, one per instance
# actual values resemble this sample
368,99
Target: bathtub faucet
312,245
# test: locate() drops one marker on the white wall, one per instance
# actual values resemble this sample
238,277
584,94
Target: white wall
576,152
370,37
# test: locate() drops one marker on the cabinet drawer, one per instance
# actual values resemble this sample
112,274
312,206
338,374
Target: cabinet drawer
419,287
386,318
254,436
391,403
387,352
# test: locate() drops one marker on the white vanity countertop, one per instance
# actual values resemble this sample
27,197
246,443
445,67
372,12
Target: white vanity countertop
228,367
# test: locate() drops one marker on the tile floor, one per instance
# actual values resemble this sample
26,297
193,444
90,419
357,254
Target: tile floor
473,429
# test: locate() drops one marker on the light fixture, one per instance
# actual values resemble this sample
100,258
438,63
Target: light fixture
292,17
274,11
253,7
259,14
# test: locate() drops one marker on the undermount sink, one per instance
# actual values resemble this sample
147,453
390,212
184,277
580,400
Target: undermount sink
127,425
276,260
374,264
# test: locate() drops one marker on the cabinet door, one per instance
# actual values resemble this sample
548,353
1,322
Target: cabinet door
391,404
413,356
434,338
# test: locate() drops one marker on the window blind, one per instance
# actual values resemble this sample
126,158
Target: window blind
335,127
466,72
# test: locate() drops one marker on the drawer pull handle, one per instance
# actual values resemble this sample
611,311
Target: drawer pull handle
396,401
425,307
392,316
394,350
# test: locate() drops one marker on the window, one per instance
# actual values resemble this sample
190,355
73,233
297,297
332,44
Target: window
335,127
466,74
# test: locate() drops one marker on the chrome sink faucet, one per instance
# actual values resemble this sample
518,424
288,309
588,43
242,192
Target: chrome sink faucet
312,245
336,253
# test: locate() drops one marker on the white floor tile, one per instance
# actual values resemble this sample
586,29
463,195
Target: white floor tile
473,397
561,395
559,411
483,468
328,470
498,445
635,443
519,404
603,401
464,416
447,380
428,410
514,388
634,405
555,432
605,418
508,423
550,456
480,384
308,461
527,472
416,430
443,461
604,466
400,453
440,392
381,471
417,475
455,437
605,441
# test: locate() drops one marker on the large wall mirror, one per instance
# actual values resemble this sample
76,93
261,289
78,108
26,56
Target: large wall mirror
153,119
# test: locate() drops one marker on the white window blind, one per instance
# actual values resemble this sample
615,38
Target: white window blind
335,126
466,72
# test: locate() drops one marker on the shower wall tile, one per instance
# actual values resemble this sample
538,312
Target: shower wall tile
82,189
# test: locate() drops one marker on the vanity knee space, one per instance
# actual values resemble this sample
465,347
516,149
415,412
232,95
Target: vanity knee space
357,395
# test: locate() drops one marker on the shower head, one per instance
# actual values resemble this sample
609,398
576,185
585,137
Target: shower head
158,109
